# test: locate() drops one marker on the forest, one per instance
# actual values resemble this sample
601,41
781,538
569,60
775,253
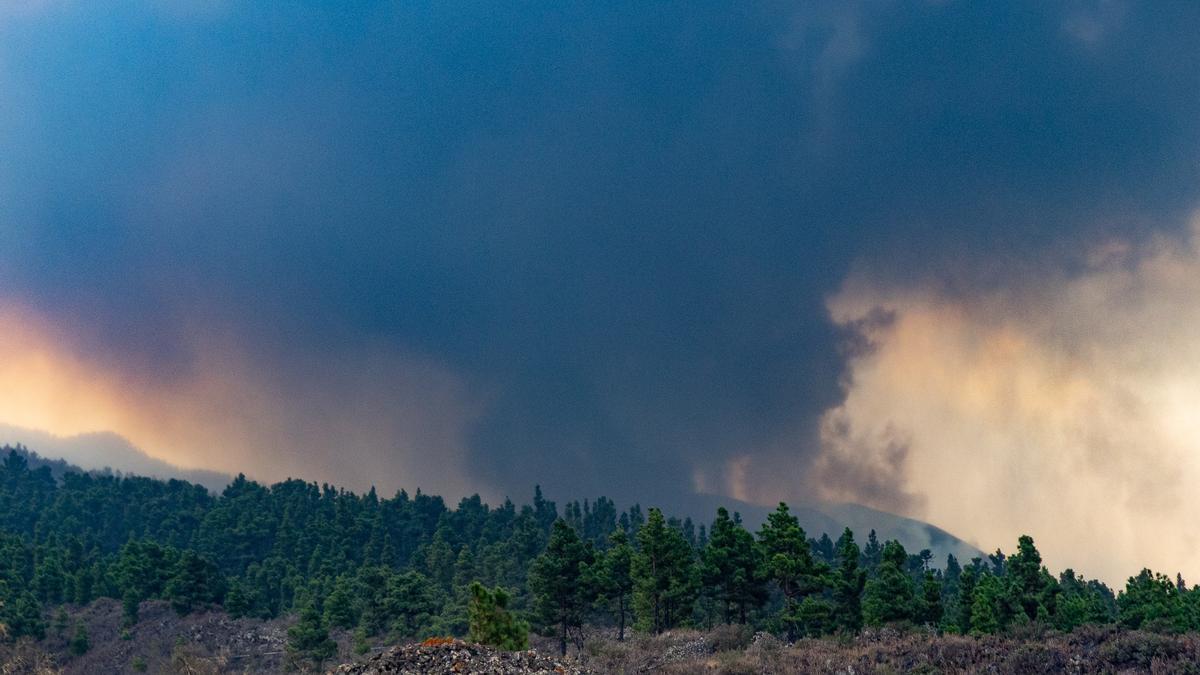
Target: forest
409,567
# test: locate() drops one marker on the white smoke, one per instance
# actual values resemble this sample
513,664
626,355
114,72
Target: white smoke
1065,406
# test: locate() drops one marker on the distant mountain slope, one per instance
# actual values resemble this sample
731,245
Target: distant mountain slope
831,518
100,451
106,450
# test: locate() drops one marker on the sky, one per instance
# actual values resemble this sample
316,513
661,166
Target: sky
937,258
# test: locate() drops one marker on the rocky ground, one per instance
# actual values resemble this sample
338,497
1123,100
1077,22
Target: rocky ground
455,657
210,643
160,642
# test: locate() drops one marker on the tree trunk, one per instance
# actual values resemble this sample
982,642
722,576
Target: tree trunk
562,640
791,624
621,619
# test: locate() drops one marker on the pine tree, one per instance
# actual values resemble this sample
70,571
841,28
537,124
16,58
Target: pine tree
1151,602
889,596
823,549
309,638
49,580
789,562
872,554
613,578
130,603
339,605
951,582
25,617
848,585
1031,588
931,600
79,644
814,616
731,568
237,603
664,575
490,621
194,581
986,614
409,603
556,581
361,645
1082,602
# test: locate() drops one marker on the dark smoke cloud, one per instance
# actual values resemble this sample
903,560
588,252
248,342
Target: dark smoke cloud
615,224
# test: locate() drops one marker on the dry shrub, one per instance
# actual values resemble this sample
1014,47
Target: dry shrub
1086,651
737,663
187,660
1034,659
730,637
25,657
1138,649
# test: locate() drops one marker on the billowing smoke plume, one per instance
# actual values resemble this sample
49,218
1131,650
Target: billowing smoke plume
1066,406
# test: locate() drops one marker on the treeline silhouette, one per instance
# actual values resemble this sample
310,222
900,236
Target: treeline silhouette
406,566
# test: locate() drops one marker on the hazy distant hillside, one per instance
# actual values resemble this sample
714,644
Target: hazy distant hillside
106,450
830,518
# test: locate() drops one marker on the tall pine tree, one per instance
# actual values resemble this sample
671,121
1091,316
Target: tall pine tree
664,575
889,596
848,583
556,581
789,563
731,568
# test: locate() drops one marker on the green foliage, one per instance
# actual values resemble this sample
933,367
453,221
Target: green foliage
848,584
490,621
138,664
789,563
986,610
1152,602
308,639
813,617
237,601
79,644
399,568
1032,591
612,578
23,616
731,567
340,610
1082,602
556,580
664,575
362,644
194,581
130,603
929,605
410,603
889,596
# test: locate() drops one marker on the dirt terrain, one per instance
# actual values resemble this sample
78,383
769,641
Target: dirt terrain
211,643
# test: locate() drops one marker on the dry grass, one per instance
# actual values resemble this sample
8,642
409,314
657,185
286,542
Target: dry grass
1093,650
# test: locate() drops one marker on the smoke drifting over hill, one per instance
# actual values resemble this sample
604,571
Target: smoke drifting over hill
1063,405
